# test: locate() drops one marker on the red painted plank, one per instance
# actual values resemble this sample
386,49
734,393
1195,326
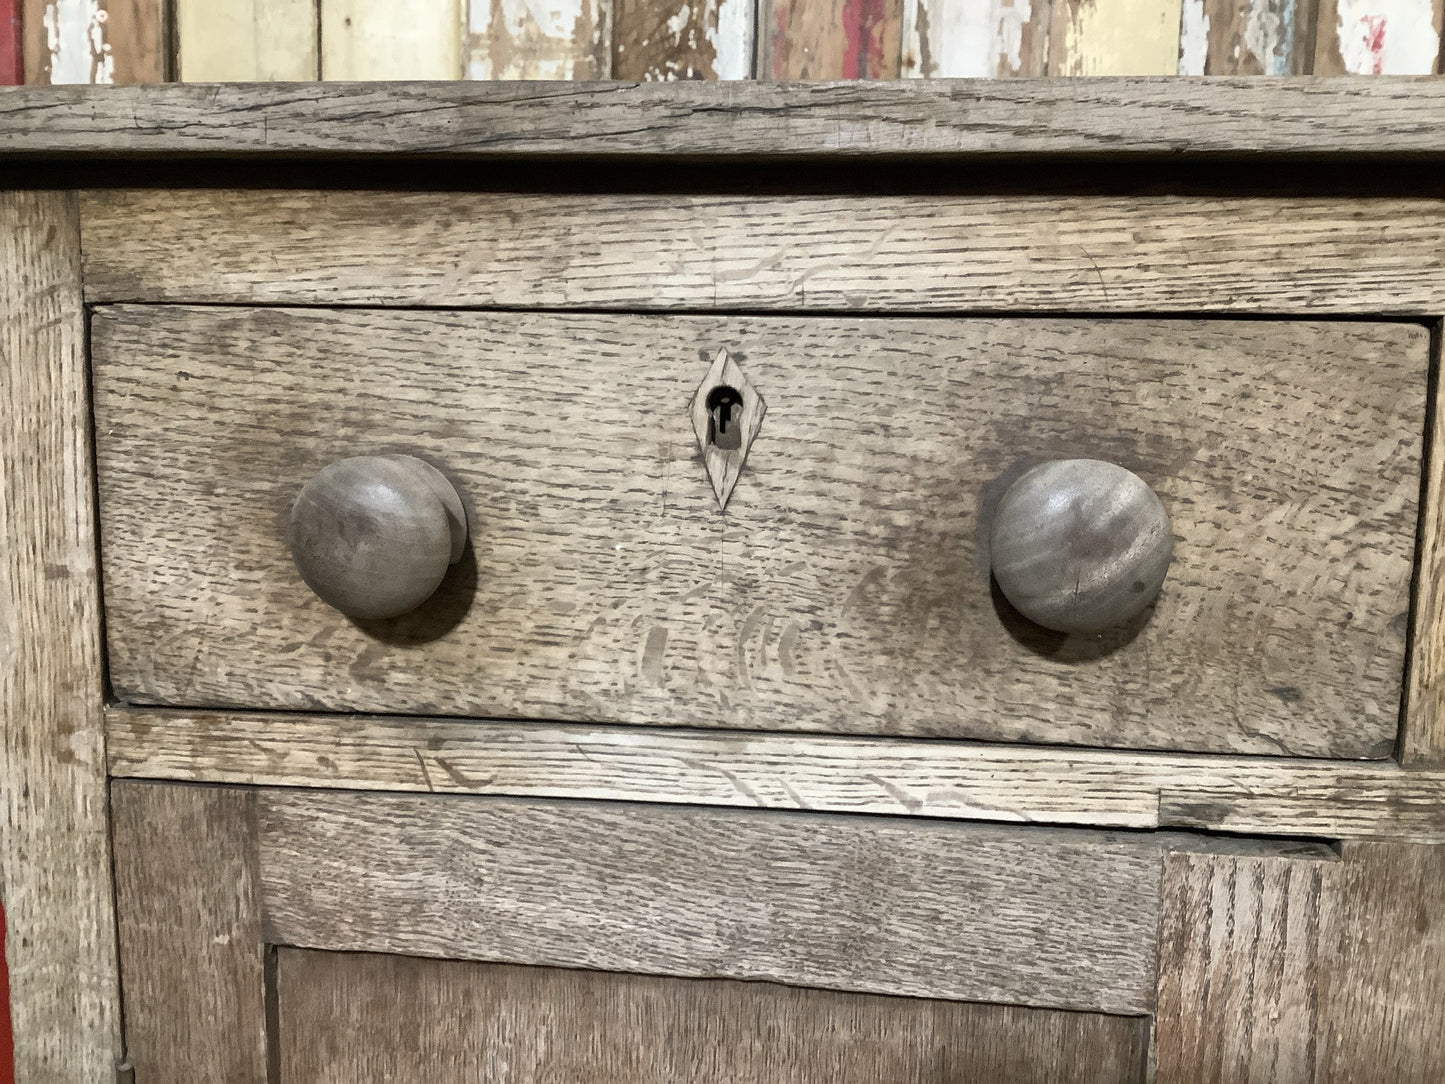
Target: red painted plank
12,74
7,1046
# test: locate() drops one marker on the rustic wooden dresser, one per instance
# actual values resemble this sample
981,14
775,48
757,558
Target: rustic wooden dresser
724,750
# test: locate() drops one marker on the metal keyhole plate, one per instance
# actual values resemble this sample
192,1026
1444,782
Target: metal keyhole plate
727,413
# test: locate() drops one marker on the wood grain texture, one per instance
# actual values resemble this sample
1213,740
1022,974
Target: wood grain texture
1122,37
513,39
1047,917
953,39
1243,953
1378,37
1297,970
885,253
1263,796
830,39
384,40
190,946
54,865
604,585
1161,119
95,41
656,41
349,1017
1246,37
246,40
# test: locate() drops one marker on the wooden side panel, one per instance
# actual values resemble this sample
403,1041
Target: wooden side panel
1287,969
1385,997
54,859
1027,253
246,40
348,1017
978,40
515,39
1054,918
829,39
7,1037
825,600
382,39
190,944
1242,957
1121,37
95,41
683,39
1378,37
1246,37
1422,732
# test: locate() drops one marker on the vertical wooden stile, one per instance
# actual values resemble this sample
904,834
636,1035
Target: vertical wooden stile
246,40
54,853
381,39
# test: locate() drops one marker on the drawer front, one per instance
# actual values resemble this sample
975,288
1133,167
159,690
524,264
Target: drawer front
847,585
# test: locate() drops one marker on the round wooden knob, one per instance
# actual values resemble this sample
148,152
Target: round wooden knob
373,536
1080,545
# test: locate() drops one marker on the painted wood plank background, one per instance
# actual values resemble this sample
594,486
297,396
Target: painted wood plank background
139,41
246,40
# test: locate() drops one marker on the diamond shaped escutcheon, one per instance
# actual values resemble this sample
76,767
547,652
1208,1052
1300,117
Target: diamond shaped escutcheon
727,413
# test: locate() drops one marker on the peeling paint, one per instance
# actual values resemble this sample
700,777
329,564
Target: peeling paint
732,39
1388,37
1193,38
534,39
75,39
1269,34
966,40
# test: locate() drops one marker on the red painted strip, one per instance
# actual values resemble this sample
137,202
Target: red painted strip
12,73
7,1045
864,22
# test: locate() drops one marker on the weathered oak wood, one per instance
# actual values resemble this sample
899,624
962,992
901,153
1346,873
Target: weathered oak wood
1164,118
883,253
54,868
1264,796
350,1017
846,588
190,933
1044,917
1422,734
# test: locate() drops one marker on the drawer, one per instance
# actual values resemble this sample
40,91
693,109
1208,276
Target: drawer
845,588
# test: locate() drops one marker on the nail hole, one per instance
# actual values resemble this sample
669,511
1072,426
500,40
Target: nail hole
724,417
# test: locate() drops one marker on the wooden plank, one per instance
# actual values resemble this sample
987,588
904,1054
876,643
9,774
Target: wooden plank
95,41
247,40
7,1038
1246,37
955,39
1045,917
53,852
1242,964
512,39
1275,969
12,44
1123,37
842,606
1263,796
381,39
682,39
190,944
1277,255
829,39
1378,37
1164,120
348,1017
1385,1000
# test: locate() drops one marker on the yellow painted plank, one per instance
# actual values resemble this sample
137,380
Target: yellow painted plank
246,40
1114,37
382,39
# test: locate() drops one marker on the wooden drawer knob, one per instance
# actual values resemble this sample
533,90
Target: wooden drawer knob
1080,545
373,536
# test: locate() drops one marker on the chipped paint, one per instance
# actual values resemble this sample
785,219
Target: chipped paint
75,40
1269,34
948,39
1388,37
1117,37
535,39
865,28
731,37
1193,38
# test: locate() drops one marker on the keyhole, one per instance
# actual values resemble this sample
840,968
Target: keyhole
725,418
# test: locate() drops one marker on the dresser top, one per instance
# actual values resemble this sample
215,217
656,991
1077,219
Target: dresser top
1147,118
